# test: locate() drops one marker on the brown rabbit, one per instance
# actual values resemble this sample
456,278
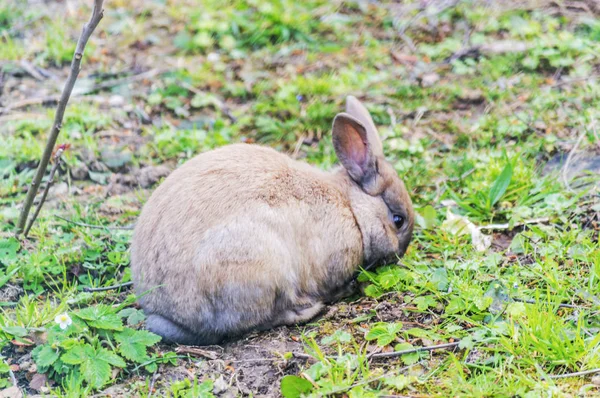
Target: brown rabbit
244,238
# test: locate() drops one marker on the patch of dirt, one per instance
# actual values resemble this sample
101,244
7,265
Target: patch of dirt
251,366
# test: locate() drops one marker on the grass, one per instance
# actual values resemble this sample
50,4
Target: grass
469,134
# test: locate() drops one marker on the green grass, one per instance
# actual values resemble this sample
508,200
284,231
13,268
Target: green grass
471,148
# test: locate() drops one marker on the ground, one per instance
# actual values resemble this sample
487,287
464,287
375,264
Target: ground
488,112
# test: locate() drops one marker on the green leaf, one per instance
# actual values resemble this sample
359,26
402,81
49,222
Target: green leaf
482,303
95,363
294,386
46,356
429,216
110,357
133,343
339,336
398,383
373,291
101,317
384,333
455,305
375,333
133,316
96,373
466,343
500,185
8,249
408,359
16,331
424,302
74,356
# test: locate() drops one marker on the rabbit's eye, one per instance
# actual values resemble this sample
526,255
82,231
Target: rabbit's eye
398,221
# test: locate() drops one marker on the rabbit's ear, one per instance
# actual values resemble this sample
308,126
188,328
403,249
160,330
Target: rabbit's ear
354,149
356,109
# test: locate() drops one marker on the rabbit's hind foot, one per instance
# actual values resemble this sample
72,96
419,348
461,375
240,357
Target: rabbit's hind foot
302,313
174,333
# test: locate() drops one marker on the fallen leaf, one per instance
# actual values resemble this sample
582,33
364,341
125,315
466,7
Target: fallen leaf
460,225
38,381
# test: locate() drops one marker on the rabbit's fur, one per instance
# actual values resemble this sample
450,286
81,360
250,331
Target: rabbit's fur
244,238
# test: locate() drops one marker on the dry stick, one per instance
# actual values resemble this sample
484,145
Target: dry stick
46,190
519,224
559,305
413,350
95,87
103,289
12,377
582,373
155,377
88,28
219,104
81,224
565,169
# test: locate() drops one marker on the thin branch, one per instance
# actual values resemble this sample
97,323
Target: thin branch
12,377
88,28
576,80
155,377
497,227
103,289
50,182
527,301
219,104
582,373
81,224
196,352
565,169
51,99
411,351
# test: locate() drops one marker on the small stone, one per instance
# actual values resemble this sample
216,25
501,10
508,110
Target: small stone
11,392
596,380
220,385
80,172
116,101
25,364
429,79
150,175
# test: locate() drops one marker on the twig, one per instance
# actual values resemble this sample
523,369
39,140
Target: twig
519,224
528,301
81,224
50,99
50,182
103,289
155,377
12,377
582,373
301,355
219,104
2,82
31,70
576,80
413,350
463,175
196,351
565,169
88,28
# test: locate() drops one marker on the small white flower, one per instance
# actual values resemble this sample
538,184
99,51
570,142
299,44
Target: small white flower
63,320
213,57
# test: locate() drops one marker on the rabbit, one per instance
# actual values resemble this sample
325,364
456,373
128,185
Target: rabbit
243,238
